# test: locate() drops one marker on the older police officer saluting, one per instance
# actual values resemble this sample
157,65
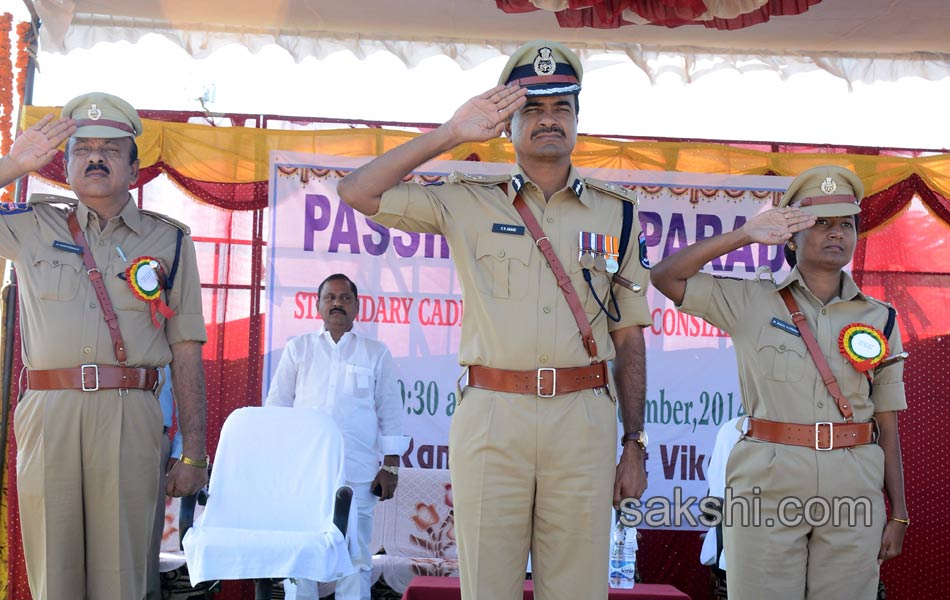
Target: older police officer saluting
109,294
806,439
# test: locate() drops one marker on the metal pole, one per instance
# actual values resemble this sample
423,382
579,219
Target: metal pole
10,303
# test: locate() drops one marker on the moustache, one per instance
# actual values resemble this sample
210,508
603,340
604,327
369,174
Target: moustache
544,130
97,167
337,310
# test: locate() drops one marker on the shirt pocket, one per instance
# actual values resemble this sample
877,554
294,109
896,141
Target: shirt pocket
360,381
782,355
57,274
502,265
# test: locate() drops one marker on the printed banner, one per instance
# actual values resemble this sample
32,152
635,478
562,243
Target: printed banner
410,299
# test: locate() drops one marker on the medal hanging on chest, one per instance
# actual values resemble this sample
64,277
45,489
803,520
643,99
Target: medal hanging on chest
145,278
864,346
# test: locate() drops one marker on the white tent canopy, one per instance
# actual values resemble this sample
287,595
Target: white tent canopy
866,40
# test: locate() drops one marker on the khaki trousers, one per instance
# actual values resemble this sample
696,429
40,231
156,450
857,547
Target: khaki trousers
153,585
786,561
86,479
533,473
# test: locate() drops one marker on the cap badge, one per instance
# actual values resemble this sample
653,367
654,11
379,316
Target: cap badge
94,112
829,186
543,63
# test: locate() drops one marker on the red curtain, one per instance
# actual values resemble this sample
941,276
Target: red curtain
608,14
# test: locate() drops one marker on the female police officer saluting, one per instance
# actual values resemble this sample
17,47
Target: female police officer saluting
806,443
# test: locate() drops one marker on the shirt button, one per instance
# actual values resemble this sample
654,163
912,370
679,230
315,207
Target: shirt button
824,311
550,219
92,305
55,261
821,405
86,350
501,254
781,347
546,309
544,358
102,242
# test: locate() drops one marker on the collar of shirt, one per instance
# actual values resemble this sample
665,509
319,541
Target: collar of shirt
849,289
129,214
575,185
344,339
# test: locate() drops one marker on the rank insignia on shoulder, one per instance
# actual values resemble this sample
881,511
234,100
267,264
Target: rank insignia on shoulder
168,220
459,177
763,273
617,191
14,208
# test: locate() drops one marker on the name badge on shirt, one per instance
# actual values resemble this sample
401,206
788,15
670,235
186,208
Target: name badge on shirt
786,327
510,229
67,247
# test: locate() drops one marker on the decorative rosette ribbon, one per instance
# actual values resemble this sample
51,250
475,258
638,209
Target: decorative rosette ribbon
864,346
145,278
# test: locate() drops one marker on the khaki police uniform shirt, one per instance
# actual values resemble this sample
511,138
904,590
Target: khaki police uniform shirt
777,376
63,325
516,317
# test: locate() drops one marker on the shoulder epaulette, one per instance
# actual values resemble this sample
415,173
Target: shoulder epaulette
488,180
52,199
879,302
165,218
612,189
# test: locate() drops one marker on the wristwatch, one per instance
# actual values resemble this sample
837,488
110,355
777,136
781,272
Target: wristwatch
640,437
388,469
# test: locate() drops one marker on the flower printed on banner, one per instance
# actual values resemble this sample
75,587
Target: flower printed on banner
438,534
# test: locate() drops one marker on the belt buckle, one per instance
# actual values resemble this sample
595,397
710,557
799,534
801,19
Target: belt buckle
82,373
553,383
831,435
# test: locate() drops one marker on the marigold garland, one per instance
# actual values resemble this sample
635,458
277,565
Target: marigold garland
24,31
6,92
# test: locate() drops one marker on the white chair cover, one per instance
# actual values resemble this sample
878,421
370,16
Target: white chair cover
271,499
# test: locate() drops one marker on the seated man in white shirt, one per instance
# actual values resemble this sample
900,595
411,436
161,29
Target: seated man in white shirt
350,377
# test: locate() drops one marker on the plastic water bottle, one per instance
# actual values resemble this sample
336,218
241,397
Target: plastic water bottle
623,556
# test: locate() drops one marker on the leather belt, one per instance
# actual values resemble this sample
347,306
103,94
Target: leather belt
90,378
545,382
819,436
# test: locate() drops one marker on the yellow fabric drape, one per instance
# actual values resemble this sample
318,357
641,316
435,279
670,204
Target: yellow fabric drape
240,154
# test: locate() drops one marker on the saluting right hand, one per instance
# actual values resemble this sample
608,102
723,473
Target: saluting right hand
484,117
776,226
36,146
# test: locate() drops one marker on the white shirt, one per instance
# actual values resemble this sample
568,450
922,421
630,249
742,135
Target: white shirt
353,381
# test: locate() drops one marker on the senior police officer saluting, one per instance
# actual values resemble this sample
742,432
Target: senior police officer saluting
806,439
532,442
108,294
